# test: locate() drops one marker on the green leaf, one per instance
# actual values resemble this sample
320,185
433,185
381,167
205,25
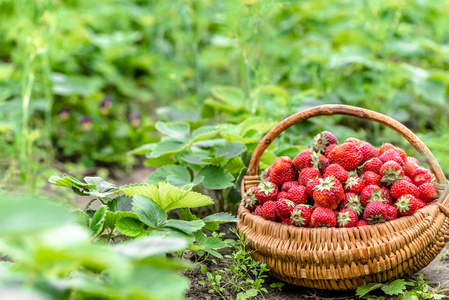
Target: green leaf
186,215
394,288
167,147
160,161
97,223
229,94
216,178
74,85
167,196
196,159
212,221
162,173
188,227
178,131
365,289
214,160
231,150
81,217
129,226
149,211
142,150
100,187
150,246
120,203
67,180
267,159
205,133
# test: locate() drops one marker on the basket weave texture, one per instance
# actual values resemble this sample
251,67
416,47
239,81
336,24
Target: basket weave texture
345,258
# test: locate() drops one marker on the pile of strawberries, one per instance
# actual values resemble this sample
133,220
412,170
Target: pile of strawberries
347,185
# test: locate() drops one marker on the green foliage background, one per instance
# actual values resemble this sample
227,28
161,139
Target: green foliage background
254,58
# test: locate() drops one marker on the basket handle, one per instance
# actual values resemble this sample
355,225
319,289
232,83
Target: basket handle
358,112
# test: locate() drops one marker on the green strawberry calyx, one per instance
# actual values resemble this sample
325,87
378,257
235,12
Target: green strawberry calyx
391,175
351,182
343,218
377,196
355,204
325,184
315,160
374,219
266,187
320,142
403,204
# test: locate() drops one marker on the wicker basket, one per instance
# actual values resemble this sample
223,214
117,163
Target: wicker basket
345,258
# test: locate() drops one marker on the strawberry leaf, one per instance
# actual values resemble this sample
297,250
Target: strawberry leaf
365,289
394,288
149,211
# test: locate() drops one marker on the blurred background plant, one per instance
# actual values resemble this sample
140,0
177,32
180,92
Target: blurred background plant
83,82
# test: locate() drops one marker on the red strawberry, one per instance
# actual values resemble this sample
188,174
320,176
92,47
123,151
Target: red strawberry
368,151
286,221
386,194
322,140
323,217
427,192
410,166
402,187
281,195
284,208
373,165
297,194
353,202
258,211
347,155
328,193
385,147
288,185
406,205
408,179
303,159
300,216
391,155
282,170
361,223
266,191
337,171
267,179
371,178
269,210
421,204
309,207
373,193
375,212
354,141
310,186
319,161
250,201
421,175
391,172
347,218
329,150
392,213
307,175
354,185
401,153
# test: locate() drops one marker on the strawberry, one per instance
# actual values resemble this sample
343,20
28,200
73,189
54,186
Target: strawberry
347,155
410,166
310,208
392,213
408,179
373,193
300,216
353,202
347,218
319,161
371,178
288,185
391,155
354,185
391,172
337,171
413,160
421,203
323,217
297,194
386,194
375,212
406,205
310,186
402,187
328,193
267,179
303,159
282,170
266,191
421,175
427,192
284,208
368,151
401,153
361,223
329,150
354,141
385,147
373,165
281,195
250,201
286,221
307,175
269,210
322,140
258,211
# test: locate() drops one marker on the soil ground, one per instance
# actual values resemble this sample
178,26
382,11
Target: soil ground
437,271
